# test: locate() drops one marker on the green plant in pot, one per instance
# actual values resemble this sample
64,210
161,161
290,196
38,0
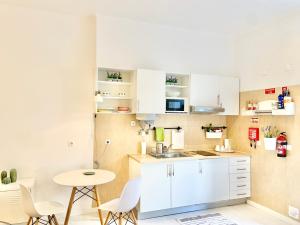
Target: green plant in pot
270,135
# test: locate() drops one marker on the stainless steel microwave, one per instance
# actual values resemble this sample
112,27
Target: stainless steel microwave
175,105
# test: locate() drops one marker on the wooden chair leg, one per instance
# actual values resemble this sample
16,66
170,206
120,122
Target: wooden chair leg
29,221
120,218
50,220
107,218
134,218
55,219
37,221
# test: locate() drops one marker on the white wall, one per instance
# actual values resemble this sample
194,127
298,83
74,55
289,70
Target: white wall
124,43
47,64
268,56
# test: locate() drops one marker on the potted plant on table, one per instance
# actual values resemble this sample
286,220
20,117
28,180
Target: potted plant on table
270,135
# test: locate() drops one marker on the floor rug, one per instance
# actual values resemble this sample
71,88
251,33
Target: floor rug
209,219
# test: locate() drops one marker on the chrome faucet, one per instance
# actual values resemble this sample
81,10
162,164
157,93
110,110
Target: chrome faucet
167,148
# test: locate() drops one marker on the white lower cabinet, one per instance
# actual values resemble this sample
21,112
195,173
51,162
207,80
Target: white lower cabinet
186,183
240,177
182,183
214,184
156,187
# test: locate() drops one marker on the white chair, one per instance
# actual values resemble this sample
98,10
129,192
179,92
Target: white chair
37,211
122,208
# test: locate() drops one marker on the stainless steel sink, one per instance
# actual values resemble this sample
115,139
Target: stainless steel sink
204,153
169,155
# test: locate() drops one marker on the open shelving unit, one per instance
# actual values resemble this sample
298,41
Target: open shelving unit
114,92
178,90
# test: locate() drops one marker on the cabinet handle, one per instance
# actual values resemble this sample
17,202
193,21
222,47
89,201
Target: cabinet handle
241,177
200,167
242,160
241,185
241,194
168,169
241,169
173,173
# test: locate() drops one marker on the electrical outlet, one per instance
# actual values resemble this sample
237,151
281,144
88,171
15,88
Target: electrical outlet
132,123
293,212
289,147
107,141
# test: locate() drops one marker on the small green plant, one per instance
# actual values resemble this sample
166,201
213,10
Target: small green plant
3,175
13,175
270,131
114,76
6,180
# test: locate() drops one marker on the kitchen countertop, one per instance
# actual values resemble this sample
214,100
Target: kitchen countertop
150,159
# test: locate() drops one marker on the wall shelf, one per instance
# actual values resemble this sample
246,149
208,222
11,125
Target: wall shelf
112,82
275,112
116,98
176,86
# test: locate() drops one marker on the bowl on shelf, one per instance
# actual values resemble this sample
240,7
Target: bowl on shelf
123,109
173,93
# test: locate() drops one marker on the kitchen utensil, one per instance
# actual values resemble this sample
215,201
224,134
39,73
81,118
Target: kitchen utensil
159,148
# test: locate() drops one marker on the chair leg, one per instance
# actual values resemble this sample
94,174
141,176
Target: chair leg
134,218
37,221
50,220
107,218
55,219
29,221
120,218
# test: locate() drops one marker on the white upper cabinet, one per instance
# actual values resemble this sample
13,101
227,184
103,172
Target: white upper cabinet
215,91
150,95
230,95
204,90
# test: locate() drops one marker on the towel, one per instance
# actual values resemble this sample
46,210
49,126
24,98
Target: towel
160,134
177,139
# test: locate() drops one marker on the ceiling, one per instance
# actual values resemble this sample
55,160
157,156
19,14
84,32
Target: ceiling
218,16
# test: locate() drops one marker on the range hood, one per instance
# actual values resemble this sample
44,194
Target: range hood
206,109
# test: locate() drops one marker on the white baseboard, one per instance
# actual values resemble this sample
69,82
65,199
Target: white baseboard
274,213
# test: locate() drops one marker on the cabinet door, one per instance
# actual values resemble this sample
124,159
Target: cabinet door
185,183
150,91
214,185
229,95
204,90
156,187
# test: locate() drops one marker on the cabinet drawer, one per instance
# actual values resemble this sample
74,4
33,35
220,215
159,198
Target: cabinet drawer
240,194
239,161
240,178
235,186
244,168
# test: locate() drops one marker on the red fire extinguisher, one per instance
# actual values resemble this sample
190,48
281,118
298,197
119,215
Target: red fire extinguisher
282,145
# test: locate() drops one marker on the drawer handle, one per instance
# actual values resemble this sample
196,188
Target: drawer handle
241,185
241,178
241,194
240,169
242,160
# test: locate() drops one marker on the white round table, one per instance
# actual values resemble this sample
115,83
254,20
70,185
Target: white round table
84,185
